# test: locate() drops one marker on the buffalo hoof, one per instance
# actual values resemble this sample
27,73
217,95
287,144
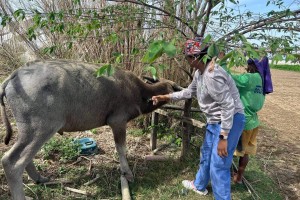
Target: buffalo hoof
42,180
129,177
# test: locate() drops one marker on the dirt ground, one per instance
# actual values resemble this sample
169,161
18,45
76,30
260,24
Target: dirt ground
279,137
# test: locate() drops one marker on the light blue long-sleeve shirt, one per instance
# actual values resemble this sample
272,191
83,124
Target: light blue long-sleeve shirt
217,95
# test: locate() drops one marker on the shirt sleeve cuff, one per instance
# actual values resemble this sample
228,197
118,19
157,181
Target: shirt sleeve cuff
226,131
171,95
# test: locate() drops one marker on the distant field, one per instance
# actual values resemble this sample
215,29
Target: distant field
286,67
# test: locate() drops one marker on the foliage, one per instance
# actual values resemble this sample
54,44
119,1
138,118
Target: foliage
146,30
164,132
63,148
156,49
136,132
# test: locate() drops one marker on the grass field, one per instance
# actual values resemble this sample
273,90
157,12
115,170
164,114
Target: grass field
295,68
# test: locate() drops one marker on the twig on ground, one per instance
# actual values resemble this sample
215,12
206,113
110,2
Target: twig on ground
279,183
31,190
85,158
256,181
253,193
116,161
53,182
134,168
267,160
79,159
76,190
156,158
90,167
162,147
92,181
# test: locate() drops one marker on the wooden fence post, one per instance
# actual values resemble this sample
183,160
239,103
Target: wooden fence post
154,123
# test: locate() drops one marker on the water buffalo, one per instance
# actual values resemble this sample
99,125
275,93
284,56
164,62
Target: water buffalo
65,96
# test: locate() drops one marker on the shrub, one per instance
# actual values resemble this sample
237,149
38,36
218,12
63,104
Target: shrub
62,149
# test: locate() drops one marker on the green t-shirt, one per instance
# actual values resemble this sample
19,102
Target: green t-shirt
251,94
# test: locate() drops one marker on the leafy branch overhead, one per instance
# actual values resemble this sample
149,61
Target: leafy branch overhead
126,32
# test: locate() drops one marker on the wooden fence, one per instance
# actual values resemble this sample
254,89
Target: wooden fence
187,121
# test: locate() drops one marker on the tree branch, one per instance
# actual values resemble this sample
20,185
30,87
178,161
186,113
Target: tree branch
258,24
280,28
156,8
208,11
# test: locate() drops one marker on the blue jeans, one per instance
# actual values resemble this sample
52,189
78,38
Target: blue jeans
212,166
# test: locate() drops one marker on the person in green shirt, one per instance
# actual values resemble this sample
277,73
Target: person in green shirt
250,86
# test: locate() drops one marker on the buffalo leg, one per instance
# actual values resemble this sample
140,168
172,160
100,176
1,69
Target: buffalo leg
119,131
34,174
20,156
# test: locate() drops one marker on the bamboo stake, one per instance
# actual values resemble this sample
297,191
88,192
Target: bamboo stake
125,189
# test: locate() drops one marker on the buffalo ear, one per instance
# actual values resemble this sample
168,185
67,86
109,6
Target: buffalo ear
150,80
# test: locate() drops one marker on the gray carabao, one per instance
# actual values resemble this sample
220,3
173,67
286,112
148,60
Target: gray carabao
60,95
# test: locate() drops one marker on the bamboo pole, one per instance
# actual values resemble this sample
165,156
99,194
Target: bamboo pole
125,189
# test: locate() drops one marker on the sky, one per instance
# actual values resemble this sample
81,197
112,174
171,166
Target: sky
259,6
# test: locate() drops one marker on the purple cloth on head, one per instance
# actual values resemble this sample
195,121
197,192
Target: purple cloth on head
265,73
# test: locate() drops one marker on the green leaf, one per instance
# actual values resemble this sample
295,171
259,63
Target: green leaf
52,49
76,2
205,58
162,67
169,48
276,58
19,14
5,19
37,19
290,57
242,38
152,70
31,34
60,15
213,50
102,70
135,51
207,39
155,50
233,1
51,16
190,8
113,38
223,61
119,58
110,70
49,50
